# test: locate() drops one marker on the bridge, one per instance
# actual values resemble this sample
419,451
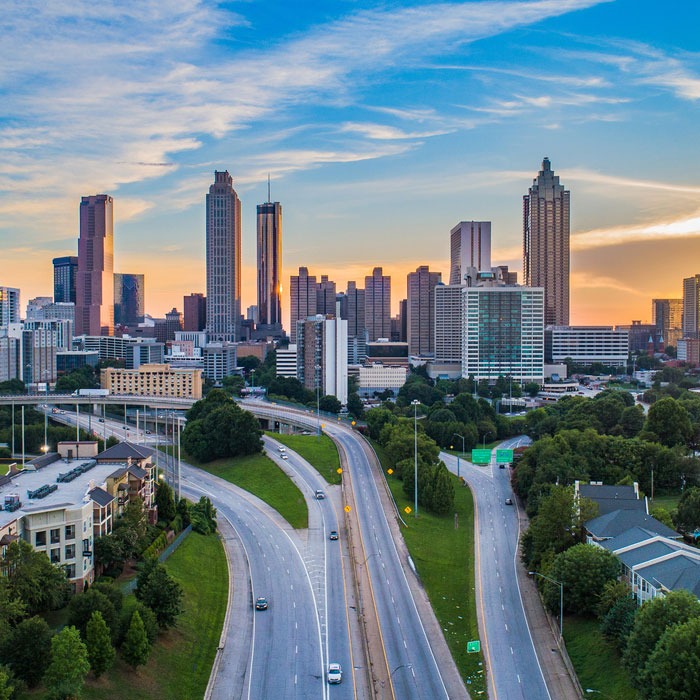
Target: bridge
164,402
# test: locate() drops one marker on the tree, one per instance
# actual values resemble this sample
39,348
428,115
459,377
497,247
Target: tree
673,669
136,647
619,621
12,386
584,569
652,620
82,607
612,592
7,688
109,552
203,516
27,650
443,491
632,421
101,653
669,421
329,404
148,619
68,667
165,501
355,407
688,514
663,516
131,530
376,419
160,592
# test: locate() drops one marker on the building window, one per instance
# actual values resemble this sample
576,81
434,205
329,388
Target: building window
56,536
70,551
55,556
70,532
40,539
70,570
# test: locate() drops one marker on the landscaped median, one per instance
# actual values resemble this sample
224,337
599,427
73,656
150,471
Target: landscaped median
442,549
319,451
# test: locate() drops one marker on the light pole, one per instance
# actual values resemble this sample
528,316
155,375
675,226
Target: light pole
483,439
459,436
415,403
391,675
561,599
317,370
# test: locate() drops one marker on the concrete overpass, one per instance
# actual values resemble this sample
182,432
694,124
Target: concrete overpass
158,402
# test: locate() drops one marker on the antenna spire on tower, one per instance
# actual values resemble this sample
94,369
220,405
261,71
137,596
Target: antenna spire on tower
268,189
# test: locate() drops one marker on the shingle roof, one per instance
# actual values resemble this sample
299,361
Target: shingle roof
681,572
101,497
618,521
138,472
125,450
611,498
634,535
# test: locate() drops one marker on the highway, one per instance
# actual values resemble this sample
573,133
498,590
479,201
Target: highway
513,666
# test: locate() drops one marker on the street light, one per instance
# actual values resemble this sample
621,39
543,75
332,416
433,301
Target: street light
391,676
317,370
415,403
483,439
561,599
459,436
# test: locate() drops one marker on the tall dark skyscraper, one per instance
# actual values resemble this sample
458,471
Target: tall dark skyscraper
270,267
420,310
94,292
302,298
129,299
325,296
65,271
223,259
546,216
195,312
378,305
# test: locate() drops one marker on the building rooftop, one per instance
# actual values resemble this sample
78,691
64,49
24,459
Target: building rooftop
681,572
613,498
123,451
616,522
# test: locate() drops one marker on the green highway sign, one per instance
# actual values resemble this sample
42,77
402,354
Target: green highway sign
474,647
481,456
504,456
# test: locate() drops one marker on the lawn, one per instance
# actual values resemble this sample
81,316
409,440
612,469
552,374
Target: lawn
443,552
263,478
320,452
596,661
667,501
182,658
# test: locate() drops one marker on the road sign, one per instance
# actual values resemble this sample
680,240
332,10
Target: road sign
407,510
504,456
347,509
474,647
481,456
389,471
339,470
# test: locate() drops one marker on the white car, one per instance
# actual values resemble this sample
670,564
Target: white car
335,673
285,456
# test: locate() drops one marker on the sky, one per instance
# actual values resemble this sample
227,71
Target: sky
380,124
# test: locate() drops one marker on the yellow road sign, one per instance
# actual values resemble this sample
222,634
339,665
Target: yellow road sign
339,470
389,471
347,509
407,510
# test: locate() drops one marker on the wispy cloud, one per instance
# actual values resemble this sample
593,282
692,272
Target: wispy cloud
383,132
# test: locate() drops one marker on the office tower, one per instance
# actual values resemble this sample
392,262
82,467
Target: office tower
448,323
667,317
269,318
353,310
322,356
10,361
378,305
223,259
586,345
504,275
36,306
325,297
546,243
195,308
129,299
470,246
39,346
302,298
251,313
503,333
691,306
420,310
94,291
9,306
173,324
65,272
61,327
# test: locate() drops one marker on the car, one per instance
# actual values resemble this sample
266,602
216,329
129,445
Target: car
335,673
126,427
148,432
100,420
333,535
320,495
501,466
261,604
282,448
305,432
285,456
509,501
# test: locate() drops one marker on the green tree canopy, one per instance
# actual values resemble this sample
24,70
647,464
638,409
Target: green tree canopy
136,647
83,605
669,421
27,650
165,501
69,665
688,513
160,592
101,653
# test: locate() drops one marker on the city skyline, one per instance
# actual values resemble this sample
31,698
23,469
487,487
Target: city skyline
446,119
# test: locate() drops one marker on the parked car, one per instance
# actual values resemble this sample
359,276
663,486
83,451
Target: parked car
261,604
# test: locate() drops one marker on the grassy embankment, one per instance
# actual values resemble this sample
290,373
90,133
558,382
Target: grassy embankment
442,549
319,452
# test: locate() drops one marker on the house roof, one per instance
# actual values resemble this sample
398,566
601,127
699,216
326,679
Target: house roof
634,535
125,450
616,522
138,472
681,572
647,552
611,498
101,497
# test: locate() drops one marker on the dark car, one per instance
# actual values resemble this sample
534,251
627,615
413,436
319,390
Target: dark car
333,535
509,501
261,604
320,495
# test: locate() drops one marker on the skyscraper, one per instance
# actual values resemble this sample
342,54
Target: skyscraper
270,267
691,307
470,246
325,296
546,217
223,259
302,297
420,310
9,305
195,310
94,291
129,299
65,271
378,305
667,316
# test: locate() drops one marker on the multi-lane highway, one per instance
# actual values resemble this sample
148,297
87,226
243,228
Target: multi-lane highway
514,669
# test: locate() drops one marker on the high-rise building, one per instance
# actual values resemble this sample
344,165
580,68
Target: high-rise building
65,271
378,305
223,259
546,222
325,296
691,307
667,317
9,306
353,310
173,324
302,298
129,299
586,345
420,310
195,312
270,268
36,306
448,323
94,291
470,246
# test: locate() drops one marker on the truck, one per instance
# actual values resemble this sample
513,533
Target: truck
91,392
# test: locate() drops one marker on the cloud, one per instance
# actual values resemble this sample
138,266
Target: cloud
383,132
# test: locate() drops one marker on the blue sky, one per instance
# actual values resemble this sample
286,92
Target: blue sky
381,125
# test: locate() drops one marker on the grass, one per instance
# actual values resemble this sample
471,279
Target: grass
181,659
596,661
320,453
263,478
444,557
668,501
